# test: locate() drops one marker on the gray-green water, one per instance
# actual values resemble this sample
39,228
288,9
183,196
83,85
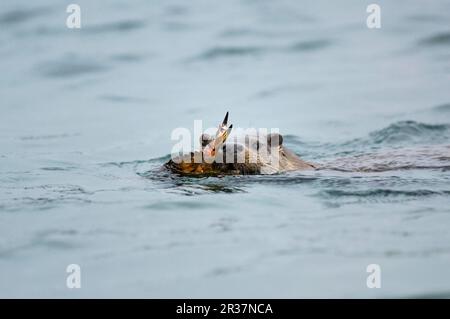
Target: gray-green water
86,118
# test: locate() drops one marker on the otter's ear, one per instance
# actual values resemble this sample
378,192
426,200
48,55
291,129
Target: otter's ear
274,139
205,139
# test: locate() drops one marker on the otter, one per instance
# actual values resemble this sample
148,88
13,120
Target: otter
241,154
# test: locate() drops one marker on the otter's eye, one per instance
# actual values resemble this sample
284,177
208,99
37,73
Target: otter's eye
251,143
274,139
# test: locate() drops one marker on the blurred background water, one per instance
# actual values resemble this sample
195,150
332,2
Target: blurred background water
86,118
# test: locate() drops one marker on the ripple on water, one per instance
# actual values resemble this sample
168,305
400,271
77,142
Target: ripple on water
69,67
128,57
310,45
48,196
444,108
126,25
123,99
409,130
22,15
191,186
402,132
58,168
51,239
221,52
239,32
384,192
47,137
437,39
178,205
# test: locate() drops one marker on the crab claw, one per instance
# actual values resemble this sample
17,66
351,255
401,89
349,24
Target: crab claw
225,120
222,134
222,137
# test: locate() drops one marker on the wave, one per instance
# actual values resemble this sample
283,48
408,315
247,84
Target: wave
70,66
410,130
136,163
435,157
384,192
442,38
23,15
229,52
117,26
220,52
311,45
407,134
442,108
404,133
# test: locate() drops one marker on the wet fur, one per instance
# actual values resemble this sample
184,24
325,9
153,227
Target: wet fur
277,159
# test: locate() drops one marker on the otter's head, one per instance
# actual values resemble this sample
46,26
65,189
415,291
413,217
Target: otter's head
247,152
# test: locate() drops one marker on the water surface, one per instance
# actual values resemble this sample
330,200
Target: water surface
86,118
